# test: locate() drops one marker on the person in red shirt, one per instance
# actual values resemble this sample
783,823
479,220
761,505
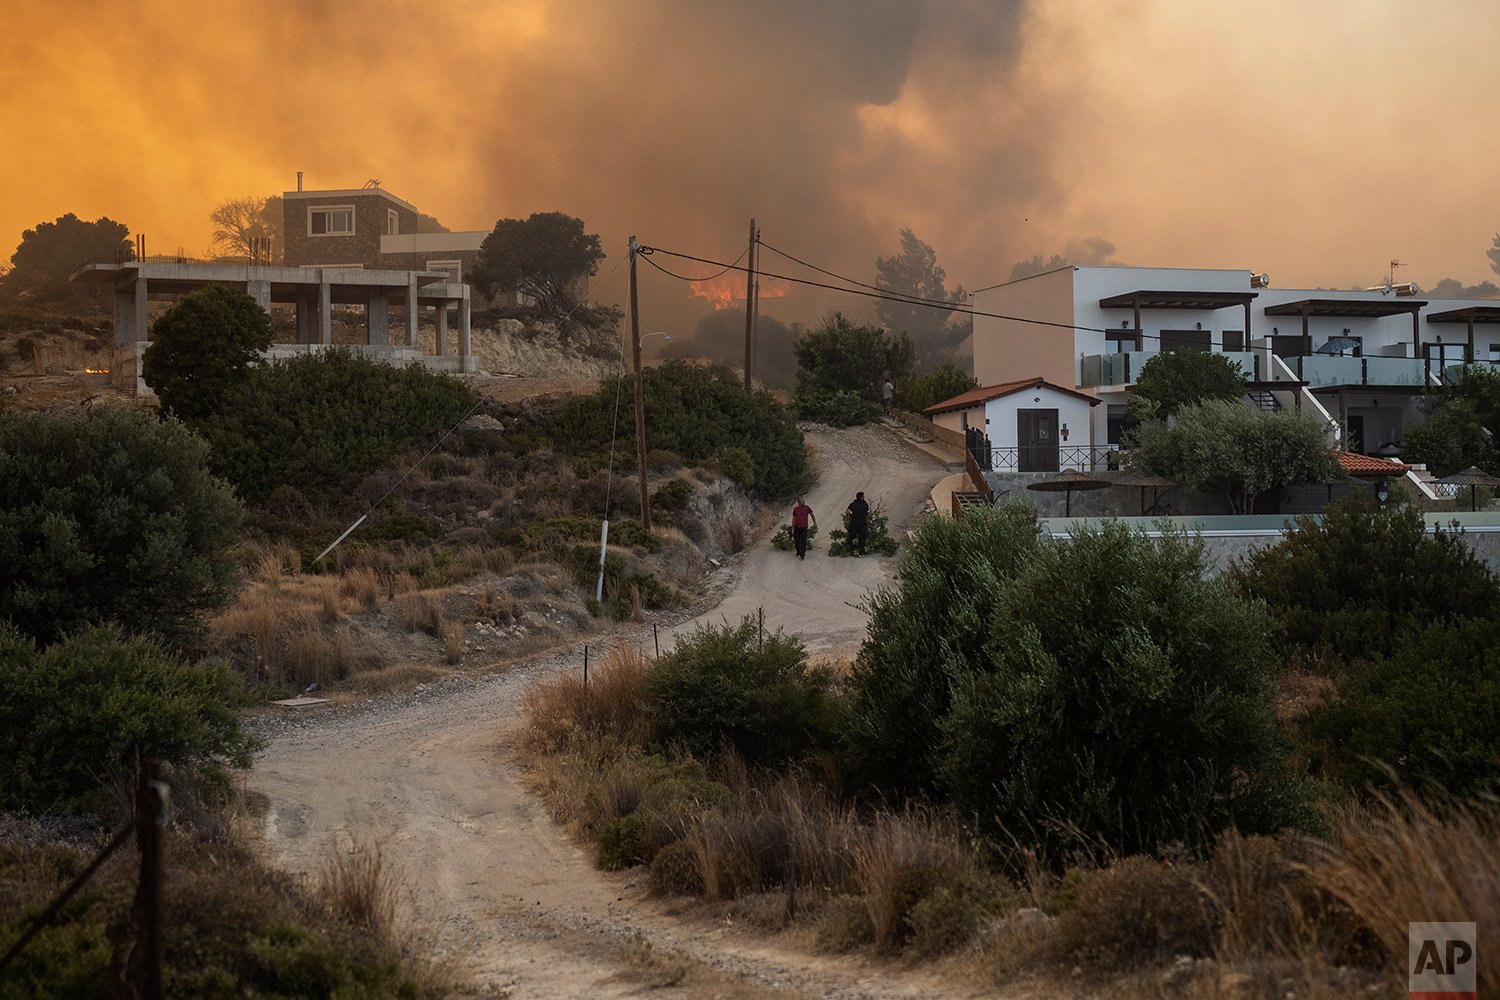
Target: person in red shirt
801,514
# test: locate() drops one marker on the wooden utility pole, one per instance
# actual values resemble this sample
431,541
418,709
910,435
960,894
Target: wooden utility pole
749,301
640,394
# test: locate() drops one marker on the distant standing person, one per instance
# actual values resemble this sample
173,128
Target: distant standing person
859,523
801,514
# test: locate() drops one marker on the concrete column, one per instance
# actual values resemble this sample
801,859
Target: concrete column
125,333
442,328
465,348
304,307
138,306
378,321
260,291
325,313
411,309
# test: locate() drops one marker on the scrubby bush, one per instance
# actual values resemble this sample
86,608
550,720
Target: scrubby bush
1123,696
76,716
922,638
917,392
703,416
1135,913
877,536
1102,688
1425,715
317,421
738,687
111,517
1359,579
841,368
203,346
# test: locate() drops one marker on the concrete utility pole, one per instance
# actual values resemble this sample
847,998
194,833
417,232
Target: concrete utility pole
749,301
640,393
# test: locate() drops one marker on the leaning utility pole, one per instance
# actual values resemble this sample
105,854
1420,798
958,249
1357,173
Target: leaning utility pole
749,301
640,394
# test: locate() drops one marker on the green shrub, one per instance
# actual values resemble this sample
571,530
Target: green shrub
111,517
75,717
1427,715
739,465
674,494
838,409
734,687
701,415
623,843
320,421
840,368
922,639
915,393
1122,697
1360,579
201,347
674,872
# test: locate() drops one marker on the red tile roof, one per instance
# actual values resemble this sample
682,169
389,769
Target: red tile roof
1369,465
978,397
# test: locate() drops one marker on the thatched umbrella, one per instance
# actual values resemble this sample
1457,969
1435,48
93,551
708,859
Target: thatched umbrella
1473,477
1156,483
1067,482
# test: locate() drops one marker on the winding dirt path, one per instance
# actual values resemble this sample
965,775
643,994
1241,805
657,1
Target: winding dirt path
488,878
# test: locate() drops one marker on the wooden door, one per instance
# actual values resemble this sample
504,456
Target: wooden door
1036,433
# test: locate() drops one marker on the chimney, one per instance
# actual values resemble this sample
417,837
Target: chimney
299,181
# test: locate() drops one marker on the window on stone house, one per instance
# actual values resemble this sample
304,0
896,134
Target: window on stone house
392,223
331,220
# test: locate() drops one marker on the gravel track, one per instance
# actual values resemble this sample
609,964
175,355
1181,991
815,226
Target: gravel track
486,877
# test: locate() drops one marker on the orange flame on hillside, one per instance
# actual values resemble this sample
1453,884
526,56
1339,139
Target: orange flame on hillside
96,371
727,290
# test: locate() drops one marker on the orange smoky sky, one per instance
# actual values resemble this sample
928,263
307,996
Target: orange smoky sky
1313,139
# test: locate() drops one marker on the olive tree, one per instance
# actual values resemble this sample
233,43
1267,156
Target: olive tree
1229,447
111,517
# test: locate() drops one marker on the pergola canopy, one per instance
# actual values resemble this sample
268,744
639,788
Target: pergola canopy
1468,314
1367,308
1176,300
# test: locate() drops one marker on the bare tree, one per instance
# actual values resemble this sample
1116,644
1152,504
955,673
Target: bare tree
240,222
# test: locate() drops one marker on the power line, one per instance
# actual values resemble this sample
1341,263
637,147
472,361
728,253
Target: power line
915,299
647,252
965,310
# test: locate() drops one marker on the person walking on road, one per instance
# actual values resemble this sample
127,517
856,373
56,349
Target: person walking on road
801,514
859,520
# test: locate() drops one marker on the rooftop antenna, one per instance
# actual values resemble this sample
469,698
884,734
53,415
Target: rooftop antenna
1390,282
374,182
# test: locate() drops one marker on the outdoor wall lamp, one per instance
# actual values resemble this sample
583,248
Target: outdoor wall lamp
1382,491
1064,430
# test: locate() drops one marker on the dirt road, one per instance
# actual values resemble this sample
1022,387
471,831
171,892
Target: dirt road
487,876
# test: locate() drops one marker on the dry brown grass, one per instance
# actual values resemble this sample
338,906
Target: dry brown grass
453,643
563,712
398,677
1403,859
359,889
422,612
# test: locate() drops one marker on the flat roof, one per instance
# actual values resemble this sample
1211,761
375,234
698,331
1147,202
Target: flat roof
1468,314
347,285
347,193
1347,307
1176,300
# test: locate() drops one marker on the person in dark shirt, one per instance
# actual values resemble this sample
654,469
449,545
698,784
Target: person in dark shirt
859,519
800,515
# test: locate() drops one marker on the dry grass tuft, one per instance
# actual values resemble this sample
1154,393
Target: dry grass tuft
362,586
360,890
422,612
1404,859
453,643
562,712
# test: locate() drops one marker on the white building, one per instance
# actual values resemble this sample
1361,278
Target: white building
1358,360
